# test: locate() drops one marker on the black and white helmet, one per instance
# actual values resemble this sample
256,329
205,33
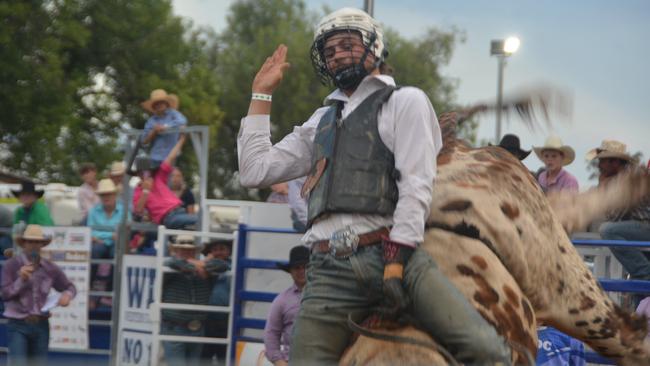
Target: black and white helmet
347,19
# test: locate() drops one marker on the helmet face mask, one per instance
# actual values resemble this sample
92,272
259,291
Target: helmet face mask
347,24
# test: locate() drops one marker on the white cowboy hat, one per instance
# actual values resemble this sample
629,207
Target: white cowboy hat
106,186
159,95
117,168
184,242
610,149
33,233
555,143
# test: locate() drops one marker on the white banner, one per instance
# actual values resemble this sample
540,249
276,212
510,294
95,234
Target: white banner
137,286
70,250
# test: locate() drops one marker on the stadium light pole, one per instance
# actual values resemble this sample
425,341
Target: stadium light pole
369,7
502,49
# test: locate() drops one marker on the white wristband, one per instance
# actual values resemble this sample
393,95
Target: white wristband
262,97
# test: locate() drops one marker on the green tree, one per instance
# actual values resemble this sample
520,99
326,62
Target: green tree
73,74
254,30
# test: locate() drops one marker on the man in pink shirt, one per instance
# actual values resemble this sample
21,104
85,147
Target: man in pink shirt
285,307
154,196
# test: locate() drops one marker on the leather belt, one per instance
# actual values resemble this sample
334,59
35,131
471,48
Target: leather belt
34,319
370,238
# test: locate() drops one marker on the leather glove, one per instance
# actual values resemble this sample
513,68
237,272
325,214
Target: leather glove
396,255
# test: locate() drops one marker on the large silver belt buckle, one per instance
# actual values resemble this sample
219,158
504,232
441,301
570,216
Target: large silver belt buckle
344,243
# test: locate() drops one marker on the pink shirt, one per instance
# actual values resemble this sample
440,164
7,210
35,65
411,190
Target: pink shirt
161,199
564,181
279,325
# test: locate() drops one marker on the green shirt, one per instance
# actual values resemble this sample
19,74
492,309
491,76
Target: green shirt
38,214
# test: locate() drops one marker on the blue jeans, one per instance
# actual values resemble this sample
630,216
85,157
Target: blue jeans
28,342
102,251
179,219
632,259
338,287
182,353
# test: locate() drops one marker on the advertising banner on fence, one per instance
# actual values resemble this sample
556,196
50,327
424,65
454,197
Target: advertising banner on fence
137,285
70,250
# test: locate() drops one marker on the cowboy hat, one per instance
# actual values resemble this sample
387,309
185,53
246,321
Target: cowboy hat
117,168
160,95
297,256
28,187
610,149
184,242
106,186
33,232
511,143
555,143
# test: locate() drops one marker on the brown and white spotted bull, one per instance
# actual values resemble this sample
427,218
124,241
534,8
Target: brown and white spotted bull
496,236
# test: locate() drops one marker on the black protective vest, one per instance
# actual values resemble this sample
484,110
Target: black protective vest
352,170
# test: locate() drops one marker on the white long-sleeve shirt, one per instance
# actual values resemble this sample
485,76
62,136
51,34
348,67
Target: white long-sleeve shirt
407,125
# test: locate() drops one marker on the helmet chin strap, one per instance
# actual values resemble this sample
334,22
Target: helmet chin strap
350,77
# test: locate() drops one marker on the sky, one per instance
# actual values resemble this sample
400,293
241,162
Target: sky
593,49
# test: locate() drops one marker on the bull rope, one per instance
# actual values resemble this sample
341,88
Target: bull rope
400,339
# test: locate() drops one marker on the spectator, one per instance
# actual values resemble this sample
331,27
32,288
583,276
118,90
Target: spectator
32,211
108,214
104,219
153,194
558,349
86,195
511,143
190,283
279,324
631,224
555,155
6,222
177,185
217,323
279,193
116,174
26,283
163,108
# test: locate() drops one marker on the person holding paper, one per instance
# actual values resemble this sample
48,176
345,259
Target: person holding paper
26,283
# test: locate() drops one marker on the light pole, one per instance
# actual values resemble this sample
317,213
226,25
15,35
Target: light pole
369,7
502,49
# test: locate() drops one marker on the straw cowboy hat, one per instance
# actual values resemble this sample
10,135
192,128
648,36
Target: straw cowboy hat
160,95
184,242
555,143
298,255
33,233
511,143
117,168
28,187
610,149
106,186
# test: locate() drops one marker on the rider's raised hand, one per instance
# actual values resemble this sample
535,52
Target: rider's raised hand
272,71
